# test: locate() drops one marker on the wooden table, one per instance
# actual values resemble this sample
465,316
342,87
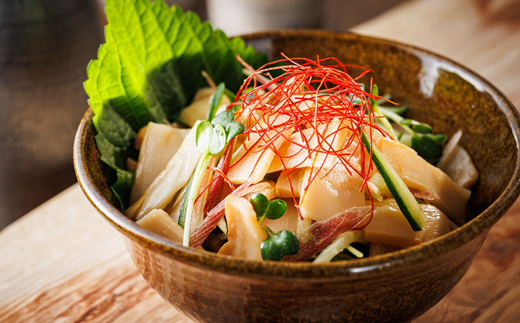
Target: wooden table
63,263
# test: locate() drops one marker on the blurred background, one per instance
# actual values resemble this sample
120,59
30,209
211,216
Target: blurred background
45,46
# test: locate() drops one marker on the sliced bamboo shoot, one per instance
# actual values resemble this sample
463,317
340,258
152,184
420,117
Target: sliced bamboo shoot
159,145
171,180
283,186
267,188
261,128
199,108
245,234
450,146
459,167
332,191
389,226
133,209
159,222
256,162
303,225
421,175
202,93
437,224
295,151
289,221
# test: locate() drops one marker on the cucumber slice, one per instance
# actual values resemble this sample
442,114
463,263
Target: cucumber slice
405,200
397,110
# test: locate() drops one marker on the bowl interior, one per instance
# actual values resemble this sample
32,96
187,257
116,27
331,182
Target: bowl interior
438,91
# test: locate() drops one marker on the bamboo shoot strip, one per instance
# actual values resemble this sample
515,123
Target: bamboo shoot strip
159,222
320,234
170,181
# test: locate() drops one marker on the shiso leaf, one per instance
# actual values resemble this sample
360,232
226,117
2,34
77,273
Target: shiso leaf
149,70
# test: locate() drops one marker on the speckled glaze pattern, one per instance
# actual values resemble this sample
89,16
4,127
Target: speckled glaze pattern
396,287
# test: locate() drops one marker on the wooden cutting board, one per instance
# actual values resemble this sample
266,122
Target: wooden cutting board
63,263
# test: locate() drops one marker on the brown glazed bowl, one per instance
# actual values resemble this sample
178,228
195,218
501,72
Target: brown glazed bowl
398,286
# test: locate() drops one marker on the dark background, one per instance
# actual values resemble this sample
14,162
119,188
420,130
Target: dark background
45,46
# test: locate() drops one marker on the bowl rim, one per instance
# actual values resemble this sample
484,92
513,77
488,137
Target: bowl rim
358,268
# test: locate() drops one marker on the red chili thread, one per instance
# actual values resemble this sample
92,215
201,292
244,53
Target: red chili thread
328,91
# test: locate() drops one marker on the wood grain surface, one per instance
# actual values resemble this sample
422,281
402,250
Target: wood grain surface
63,263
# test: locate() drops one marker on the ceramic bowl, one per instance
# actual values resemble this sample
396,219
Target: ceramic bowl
398,286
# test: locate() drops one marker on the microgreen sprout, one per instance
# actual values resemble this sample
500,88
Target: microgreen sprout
211,138
280,244
264,208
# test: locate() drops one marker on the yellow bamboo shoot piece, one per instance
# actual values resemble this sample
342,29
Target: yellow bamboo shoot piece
459,167
170,181
202,93
259,126
389,226
159,145
417,173
450,146
303,224
332,191
267,188
283,186
199,108
289,221
244,233
295,151
159,222
257,160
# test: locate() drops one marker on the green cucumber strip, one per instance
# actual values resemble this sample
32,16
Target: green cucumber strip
395,118
397,110
405,200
